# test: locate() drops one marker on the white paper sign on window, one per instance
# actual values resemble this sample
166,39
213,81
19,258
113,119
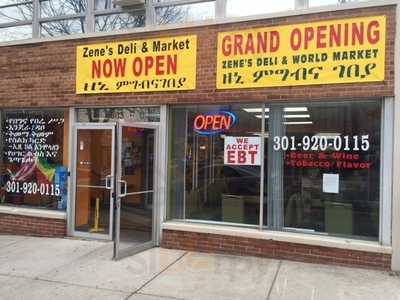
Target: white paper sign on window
242,151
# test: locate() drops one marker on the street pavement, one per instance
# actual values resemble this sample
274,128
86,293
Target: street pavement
44,268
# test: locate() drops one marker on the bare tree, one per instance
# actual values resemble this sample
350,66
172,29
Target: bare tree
107,22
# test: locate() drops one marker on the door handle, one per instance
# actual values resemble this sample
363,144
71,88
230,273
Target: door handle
125,184
109,182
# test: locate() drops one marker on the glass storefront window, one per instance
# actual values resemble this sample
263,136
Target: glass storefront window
331,169
34,160
321,167
209,179
110,114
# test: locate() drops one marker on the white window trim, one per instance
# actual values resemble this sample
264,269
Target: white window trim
279,236
33,212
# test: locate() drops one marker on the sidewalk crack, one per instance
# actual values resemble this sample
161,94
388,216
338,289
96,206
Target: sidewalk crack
274,280
155,276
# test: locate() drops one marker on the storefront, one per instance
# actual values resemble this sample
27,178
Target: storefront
270,136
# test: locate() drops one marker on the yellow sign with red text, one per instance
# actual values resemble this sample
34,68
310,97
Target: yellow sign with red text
337,51
165,64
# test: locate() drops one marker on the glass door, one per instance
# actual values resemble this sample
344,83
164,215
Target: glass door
94,180
135,189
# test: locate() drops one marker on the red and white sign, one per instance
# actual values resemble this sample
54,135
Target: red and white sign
242,151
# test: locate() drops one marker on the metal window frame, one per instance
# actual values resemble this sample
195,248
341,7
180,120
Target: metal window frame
386,183
18,23
149,11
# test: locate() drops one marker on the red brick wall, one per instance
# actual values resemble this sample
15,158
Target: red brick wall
44,74
214,243
32,226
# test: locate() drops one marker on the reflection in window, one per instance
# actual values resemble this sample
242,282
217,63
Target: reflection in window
52,8
16,13
331,168
33,162
185,13
104,4
236,8
204,187
15,33
119,21
62,27
128,114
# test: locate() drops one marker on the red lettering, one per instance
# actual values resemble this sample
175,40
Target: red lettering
346,34
249,44
148,64
172,64
231,157
321,36
262,42
308,36
208,122
357,34
274,41
238,40
107,68
373,36
199,122
334,35
241,157
226,45
239,140
96,69
217,124
137,66
160,64
295,39
253,157
119,66
226,122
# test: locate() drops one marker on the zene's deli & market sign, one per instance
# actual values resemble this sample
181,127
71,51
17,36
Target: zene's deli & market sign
337,51
165,64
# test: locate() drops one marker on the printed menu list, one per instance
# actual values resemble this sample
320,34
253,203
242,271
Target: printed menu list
30,135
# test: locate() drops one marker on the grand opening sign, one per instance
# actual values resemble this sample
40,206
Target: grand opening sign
338,51
165,64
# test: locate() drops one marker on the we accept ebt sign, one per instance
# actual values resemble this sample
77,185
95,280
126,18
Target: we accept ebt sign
242,151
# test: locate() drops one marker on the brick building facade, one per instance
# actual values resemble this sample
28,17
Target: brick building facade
40,75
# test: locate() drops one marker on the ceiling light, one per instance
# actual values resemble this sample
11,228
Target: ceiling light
260,116
296,116
298,123
292,109
255,110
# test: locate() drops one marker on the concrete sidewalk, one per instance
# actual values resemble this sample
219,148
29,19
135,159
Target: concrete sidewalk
41,268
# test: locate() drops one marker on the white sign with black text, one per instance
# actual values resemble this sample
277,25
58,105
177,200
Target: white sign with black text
242,151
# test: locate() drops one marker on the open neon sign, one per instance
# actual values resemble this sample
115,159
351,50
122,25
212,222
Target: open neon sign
214,122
